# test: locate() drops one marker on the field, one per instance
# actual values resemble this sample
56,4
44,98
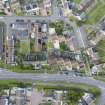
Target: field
101,50
96,13
2,14
24,46
77,1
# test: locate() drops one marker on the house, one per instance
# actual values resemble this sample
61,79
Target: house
3,101
87,99
15,6
36,59
32,8
52,31
44,27
47,3
20,29
19,96
56,44
97,69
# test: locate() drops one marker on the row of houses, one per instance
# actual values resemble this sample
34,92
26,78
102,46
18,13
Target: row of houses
32,7
16,96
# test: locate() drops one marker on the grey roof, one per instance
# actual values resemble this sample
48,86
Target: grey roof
20,33
1,41
19,25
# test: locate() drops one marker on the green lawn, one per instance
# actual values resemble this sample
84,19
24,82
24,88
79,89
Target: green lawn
24,46
2,13
5,84
50,45
64,46
96,13
101,50
77,1
101,78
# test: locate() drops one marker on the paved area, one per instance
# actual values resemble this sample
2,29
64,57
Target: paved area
36,97
1,40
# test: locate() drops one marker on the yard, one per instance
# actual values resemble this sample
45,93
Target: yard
25,46
96,13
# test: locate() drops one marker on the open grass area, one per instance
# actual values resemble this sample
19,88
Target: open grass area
101,50
5,84
96,13
25,46
77,1
50,45
101,78
2,13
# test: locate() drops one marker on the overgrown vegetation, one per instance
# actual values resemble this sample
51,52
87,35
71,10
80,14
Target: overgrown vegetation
63,46
59,26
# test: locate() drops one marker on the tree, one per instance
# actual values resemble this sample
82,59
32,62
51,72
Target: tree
73,96
64,46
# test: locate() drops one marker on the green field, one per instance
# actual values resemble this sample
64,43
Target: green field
2,14
96,13
101,78
77,1
101,50
24,46
5,84
50,45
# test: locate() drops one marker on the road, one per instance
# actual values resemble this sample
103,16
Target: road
6,75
